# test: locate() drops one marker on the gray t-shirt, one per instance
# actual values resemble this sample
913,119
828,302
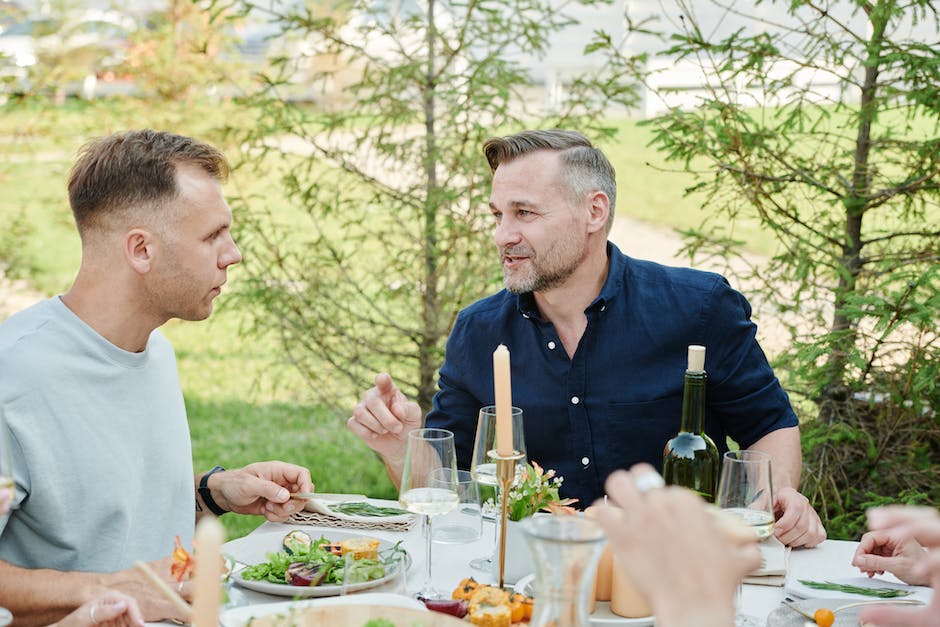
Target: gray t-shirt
102,455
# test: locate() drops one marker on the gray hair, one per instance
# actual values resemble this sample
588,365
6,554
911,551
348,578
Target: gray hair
586,168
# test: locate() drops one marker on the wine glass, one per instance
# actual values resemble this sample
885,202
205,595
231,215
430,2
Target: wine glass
423,491
745,491
483,468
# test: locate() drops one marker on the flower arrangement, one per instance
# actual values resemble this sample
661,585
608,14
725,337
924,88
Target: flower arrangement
536,490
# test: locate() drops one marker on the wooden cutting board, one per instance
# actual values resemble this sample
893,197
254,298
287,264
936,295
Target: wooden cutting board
357,616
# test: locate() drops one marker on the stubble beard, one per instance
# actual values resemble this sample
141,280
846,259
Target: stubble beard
559,264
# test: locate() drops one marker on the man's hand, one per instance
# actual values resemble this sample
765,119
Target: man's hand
383,419
797,523
262,488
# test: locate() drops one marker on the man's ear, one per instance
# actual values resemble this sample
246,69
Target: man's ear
599,212
139,249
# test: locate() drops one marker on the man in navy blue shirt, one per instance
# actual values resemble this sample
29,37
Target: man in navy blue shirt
598,341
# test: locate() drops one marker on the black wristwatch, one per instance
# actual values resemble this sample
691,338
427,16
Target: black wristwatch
206,493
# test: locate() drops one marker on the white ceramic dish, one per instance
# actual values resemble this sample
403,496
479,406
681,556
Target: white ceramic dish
241,616
795,588
304,592
602,615
785,617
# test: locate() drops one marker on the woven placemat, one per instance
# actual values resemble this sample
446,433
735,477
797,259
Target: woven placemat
322,520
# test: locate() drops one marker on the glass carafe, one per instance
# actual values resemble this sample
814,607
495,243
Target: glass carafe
566,549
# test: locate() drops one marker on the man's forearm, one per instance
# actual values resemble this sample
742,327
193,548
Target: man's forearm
784,448
394,467
43,596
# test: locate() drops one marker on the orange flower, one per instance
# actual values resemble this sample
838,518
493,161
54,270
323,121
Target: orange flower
183,562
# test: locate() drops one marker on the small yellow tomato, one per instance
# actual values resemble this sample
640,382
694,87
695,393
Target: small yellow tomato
824,617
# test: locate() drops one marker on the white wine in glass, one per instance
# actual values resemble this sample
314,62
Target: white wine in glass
746,492
422,490
483,468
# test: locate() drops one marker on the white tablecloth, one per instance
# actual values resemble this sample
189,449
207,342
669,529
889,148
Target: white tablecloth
830,560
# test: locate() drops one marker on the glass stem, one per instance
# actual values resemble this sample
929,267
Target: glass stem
427,576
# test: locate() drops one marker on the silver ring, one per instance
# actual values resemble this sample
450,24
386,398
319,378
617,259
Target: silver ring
91,613
649,481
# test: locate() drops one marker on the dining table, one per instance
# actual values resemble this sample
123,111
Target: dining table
450,564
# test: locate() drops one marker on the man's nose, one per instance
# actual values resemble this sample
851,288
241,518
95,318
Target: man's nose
505,233
231,255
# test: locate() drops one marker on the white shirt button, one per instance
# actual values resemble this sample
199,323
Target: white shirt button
585,461
603,307
575,400
526,316
551,346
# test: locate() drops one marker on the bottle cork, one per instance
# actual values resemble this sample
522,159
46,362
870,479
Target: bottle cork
696,358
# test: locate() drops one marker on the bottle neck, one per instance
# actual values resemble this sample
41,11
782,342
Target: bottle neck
693,402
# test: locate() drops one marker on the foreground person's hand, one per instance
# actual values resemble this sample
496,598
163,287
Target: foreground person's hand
892,551
111,609
797,522
673,550
150,603
923,525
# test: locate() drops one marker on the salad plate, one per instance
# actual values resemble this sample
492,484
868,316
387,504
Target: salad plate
602,615
273,545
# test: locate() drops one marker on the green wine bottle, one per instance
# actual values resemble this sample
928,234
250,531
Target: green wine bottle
691,458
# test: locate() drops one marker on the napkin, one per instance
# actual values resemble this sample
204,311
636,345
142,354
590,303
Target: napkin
316,512
773,568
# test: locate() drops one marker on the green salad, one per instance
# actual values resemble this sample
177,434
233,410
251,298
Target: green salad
331,568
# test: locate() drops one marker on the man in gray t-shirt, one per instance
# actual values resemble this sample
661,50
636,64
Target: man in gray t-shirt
89,386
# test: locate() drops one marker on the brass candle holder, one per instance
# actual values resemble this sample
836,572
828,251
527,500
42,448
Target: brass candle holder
505,474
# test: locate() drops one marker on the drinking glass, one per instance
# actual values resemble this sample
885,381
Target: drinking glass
464,523
483,468
745,491
423,488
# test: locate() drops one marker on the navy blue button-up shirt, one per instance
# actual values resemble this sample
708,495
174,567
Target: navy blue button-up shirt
619,399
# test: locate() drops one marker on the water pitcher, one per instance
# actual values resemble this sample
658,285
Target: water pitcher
566,549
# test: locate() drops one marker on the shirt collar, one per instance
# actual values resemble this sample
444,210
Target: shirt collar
525,303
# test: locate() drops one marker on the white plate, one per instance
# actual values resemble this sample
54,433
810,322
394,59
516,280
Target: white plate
795,588
303,592
602,615
785,617
241,616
